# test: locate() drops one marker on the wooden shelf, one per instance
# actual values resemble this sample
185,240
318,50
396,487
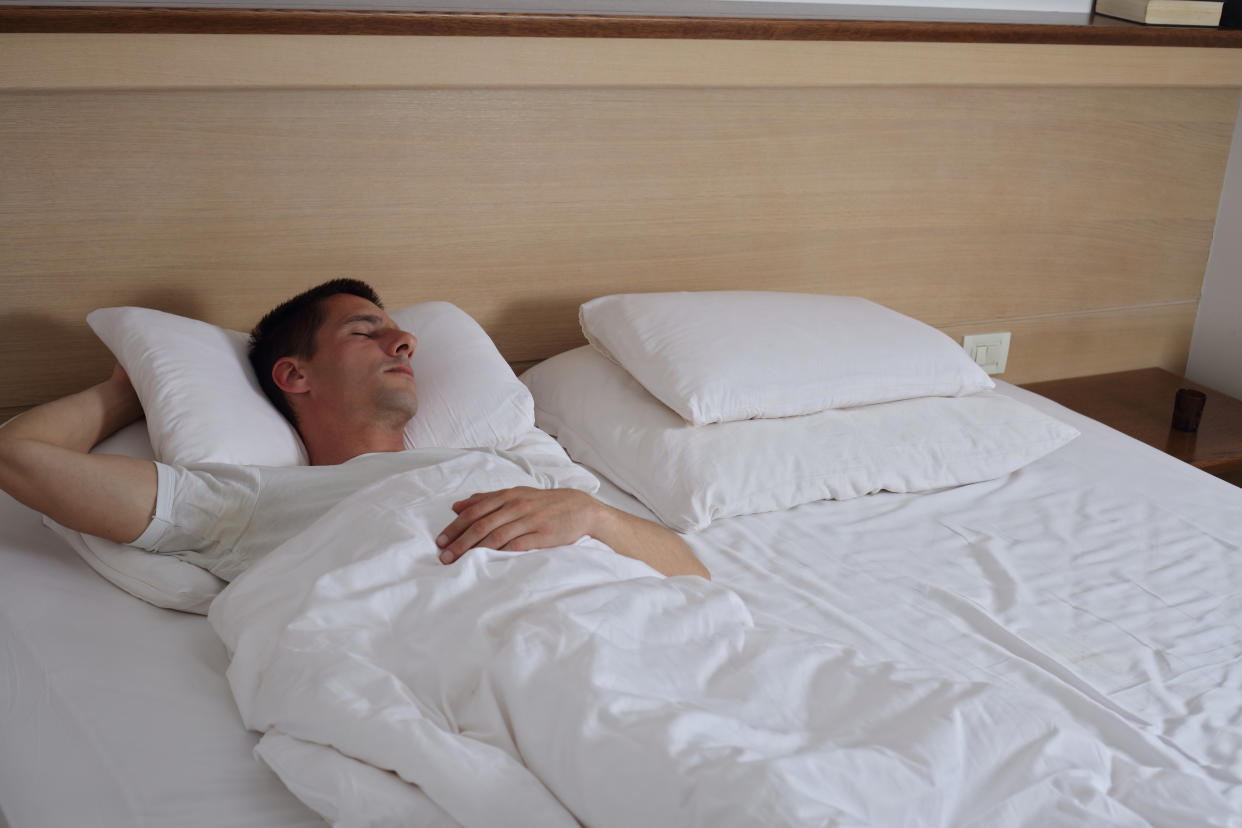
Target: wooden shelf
1101,31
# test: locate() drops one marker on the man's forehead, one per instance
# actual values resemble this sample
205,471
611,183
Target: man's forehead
345,308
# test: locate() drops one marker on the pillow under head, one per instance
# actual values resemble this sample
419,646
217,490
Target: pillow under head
204,405
719,356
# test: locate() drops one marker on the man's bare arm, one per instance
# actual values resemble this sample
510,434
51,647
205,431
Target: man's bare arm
44,462
524,518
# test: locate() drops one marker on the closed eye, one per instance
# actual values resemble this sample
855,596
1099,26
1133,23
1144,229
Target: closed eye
372,322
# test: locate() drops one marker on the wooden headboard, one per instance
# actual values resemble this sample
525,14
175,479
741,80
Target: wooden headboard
1065,193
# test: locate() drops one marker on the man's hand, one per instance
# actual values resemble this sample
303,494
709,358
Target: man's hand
522,518
518,520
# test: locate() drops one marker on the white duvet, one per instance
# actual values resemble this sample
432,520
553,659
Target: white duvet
573,685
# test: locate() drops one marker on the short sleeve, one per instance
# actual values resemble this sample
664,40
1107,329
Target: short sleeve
201,509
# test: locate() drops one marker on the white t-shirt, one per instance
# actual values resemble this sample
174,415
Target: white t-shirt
224,517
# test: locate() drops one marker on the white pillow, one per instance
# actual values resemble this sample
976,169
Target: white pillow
468,396
161,580
719,356
204,405
172,583
691,475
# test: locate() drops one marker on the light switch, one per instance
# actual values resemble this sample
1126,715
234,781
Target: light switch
989,351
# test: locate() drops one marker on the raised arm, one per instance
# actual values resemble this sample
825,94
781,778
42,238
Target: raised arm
524,518
44,462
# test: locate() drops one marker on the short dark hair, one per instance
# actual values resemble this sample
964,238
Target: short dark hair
289,329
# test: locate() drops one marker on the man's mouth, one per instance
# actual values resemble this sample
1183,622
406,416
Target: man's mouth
400,369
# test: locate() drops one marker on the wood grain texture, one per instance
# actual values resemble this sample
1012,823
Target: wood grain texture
188,61
1078,344
1101,31
965,207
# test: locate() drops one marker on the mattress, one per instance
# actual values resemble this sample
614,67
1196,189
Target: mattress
114,712
1107,577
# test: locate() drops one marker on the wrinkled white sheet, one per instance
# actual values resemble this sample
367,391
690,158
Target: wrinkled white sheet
1107,574
573,684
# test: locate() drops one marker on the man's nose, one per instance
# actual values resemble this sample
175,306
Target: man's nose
403,344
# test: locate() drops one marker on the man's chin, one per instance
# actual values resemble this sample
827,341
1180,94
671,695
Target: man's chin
399,405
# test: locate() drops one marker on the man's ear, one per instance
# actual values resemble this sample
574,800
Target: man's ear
288,375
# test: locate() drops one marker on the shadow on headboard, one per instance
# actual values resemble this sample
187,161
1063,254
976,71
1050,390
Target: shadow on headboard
1078,216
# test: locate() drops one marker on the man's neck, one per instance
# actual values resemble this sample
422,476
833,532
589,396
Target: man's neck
329,446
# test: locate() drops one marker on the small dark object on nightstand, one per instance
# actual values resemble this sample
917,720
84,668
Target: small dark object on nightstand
1187,409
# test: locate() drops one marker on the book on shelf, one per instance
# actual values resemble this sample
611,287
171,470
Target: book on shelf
1231,15
1163,12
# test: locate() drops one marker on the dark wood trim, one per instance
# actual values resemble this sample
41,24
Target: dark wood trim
1140,404
1102,31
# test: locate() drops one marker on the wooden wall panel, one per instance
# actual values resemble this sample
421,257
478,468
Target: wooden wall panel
187,61
959,205
1096,342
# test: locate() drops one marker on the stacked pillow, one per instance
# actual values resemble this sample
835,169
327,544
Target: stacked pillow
203,405
716,404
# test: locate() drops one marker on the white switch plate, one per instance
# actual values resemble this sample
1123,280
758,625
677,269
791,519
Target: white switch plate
991,351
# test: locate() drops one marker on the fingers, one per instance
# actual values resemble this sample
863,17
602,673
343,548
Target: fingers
470,510
493,532
470,501
490,519
517,519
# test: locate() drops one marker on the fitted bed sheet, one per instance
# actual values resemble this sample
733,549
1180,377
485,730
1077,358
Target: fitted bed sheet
1107,576
114,712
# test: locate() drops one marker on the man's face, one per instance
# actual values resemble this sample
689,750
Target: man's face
362,362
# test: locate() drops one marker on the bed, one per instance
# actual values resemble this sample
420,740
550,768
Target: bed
521,177
1093,590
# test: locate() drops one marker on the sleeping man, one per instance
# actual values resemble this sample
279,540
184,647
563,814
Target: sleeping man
338,368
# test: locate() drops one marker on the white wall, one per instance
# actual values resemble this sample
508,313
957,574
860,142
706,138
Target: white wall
1216,348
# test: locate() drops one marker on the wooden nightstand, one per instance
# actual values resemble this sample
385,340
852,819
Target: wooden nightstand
1140,404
